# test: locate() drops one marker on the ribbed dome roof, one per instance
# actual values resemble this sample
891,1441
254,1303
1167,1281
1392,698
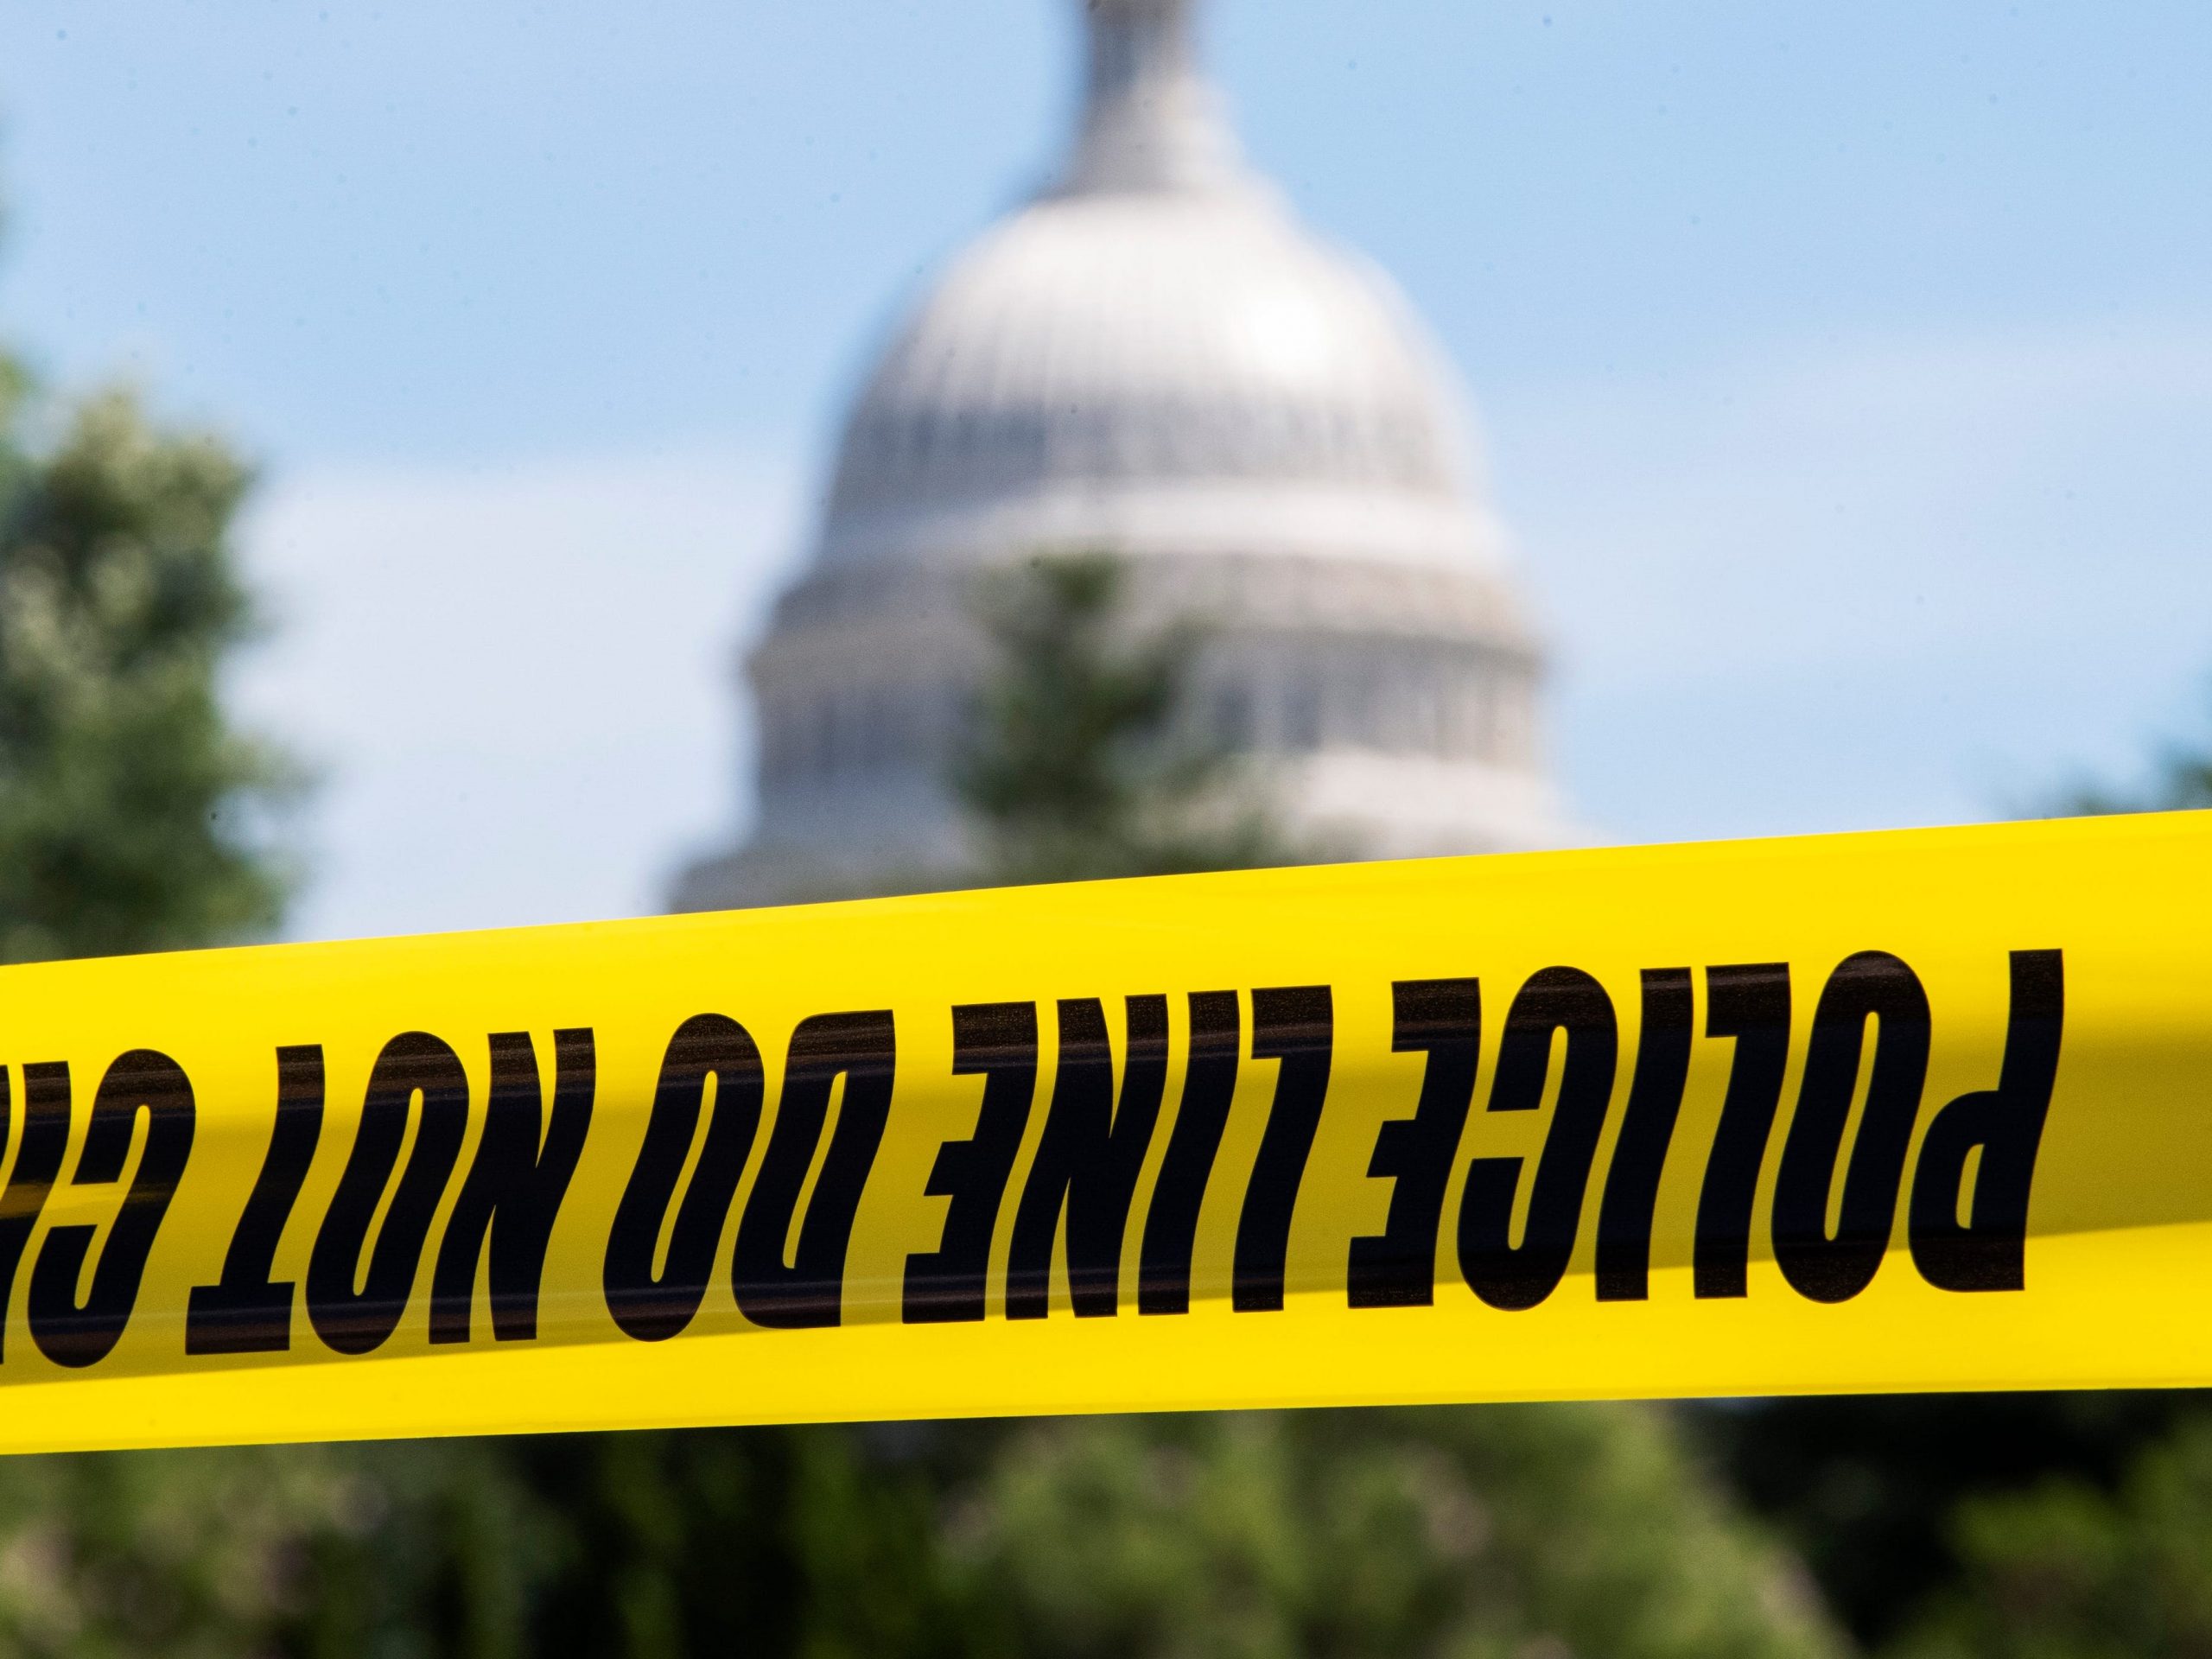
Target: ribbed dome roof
1155,354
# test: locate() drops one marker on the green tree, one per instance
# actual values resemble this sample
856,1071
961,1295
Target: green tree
1869,1488
313,1551
811,1542
1479,1534
790,1543
1502,1531
132,814
2180,779
2072,1570
1088,758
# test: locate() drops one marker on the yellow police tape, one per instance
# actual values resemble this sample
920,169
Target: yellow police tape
1921,1110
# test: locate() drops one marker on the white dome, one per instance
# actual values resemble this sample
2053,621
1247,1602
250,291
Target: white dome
1180,371
1154,358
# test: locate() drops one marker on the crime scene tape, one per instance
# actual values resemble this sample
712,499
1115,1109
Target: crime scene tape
1926,1109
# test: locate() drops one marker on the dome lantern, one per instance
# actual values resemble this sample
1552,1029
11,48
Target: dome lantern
1150,120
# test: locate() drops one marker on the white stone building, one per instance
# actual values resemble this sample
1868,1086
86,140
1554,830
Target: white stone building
1154,357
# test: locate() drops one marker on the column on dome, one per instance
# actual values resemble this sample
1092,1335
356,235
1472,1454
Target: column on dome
1445,697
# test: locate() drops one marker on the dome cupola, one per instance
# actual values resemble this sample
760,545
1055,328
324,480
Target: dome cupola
1150,120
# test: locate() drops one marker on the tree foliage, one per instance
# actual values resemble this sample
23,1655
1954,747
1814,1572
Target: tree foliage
1089,756
317,1551
1504,1531
1426,1535
131,814
2073,1570
1870,1488
2180,779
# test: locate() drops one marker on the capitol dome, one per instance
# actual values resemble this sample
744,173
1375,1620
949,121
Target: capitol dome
1155,358
1193,367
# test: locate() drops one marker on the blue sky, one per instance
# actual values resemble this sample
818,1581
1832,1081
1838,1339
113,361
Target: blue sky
1846,373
